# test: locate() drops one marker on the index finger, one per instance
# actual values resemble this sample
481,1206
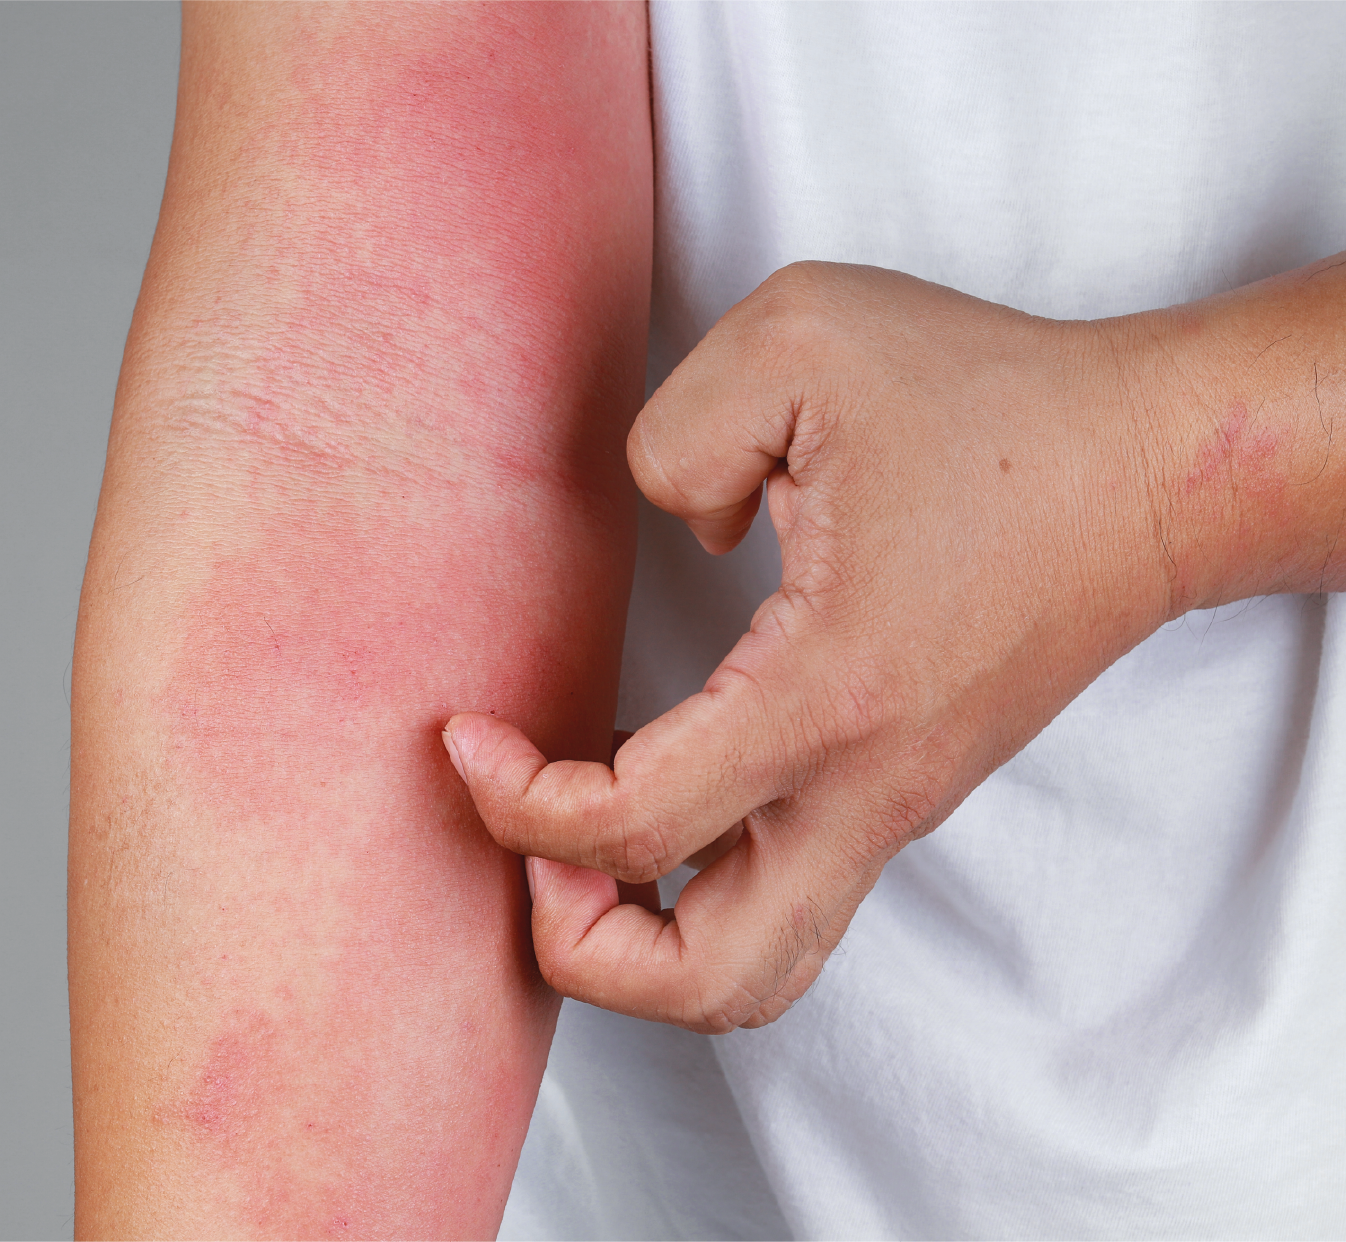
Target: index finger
717,427
680,783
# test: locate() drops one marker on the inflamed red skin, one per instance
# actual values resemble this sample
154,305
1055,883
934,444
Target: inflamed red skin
302,715
1248,494
366,469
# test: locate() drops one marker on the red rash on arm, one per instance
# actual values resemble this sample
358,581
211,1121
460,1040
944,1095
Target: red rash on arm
366,470
1229,448
1246,394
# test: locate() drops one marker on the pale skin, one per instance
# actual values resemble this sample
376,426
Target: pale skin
366,474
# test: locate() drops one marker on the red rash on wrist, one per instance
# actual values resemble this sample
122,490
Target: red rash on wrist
1239,500
1235,452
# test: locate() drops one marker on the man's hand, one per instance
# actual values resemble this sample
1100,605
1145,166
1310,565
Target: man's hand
978,512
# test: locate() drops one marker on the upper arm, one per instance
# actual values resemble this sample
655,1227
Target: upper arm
366,469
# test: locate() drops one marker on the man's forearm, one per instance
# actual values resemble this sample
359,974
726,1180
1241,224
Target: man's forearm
366,470
1243,401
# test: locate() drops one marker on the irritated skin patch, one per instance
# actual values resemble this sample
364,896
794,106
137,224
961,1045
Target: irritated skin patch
290,1129
1236,483
354,895
367,471
1236,450
470,202
320,643
241,1110
233,1085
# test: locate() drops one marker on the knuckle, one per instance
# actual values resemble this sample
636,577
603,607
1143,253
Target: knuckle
634,854
784,333
718,1005
796,301
513,833
800,281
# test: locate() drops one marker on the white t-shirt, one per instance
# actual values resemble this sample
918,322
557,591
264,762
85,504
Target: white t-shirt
1108,997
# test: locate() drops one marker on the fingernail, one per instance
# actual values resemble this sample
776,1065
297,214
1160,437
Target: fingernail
528,874
454,757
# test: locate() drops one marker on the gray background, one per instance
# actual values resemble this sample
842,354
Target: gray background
86,115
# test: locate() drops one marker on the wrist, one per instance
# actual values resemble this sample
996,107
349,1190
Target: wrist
1235,410
1175,454
1127,386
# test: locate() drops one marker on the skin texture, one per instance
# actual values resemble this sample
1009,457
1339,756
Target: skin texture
978,513
366,470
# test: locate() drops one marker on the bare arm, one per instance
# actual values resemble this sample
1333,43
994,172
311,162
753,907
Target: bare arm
366,469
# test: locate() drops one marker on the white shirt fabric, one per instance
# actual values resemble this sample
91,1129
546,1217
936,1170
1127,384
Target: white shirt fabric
1108,997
